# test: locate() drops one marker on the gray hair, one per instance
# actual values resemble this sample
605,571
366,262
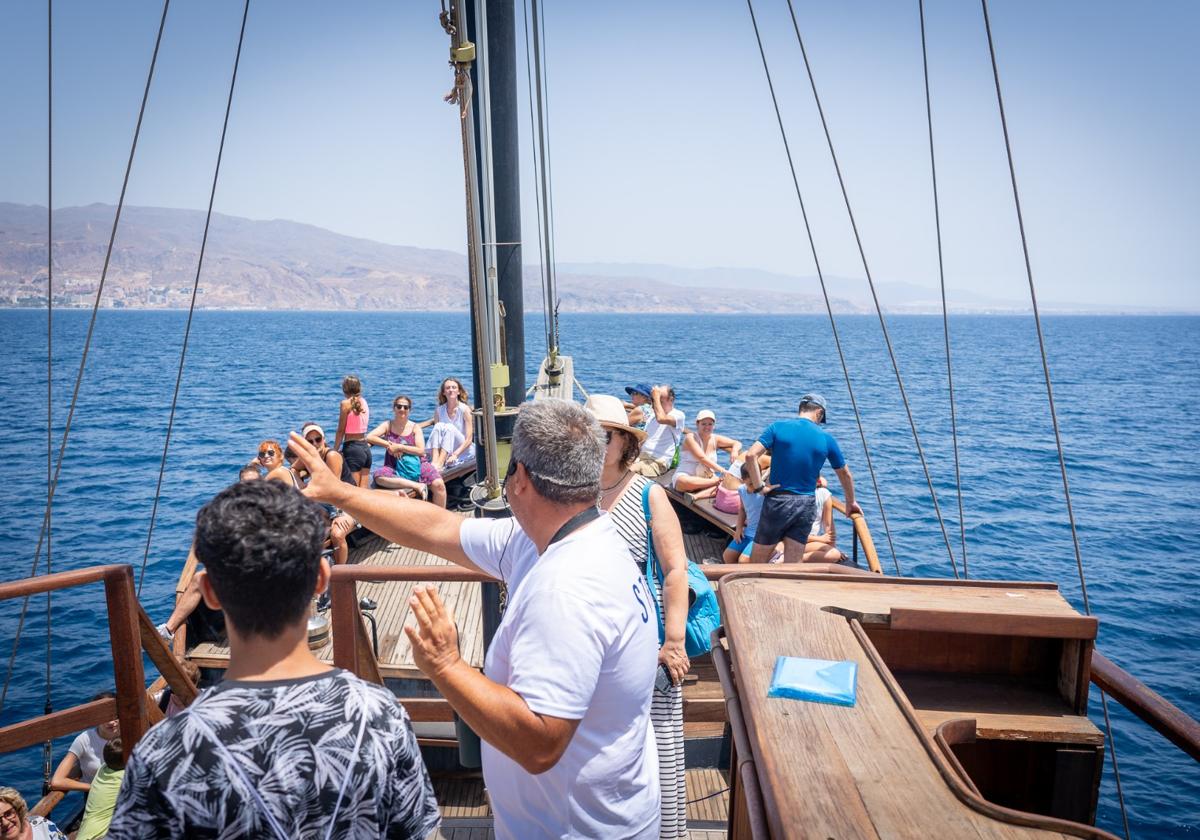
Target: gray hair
562,448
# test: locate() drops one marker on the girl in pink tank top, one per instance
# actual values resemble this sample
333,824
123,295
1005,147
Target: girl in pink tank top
353,421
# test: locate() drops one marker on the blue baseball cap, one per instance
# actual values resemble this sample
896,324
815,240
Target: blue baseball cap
644,390
818,401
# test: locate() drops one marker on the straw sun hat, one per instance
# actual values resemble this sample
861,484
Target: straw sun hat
610,413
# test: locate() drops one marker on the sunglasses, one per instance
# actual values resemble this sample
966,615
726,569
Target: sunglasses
267,453
314,439
401,407
608,435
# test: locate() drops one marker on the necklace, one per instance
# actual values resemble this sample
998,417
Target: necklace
617,483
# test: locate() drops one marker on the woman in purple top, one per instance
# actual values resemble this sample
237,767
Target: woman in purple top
405,466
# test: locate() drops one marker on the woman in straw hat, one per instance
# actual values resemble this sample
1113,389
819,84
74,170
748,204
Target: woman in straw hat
621,495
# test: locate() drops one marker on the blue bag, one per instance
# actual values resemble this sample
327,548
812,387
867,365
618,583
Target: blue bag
818,680
704,615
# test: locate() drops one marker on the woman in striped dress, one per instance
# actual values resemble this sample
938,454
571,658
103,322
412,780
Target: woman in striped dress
621,495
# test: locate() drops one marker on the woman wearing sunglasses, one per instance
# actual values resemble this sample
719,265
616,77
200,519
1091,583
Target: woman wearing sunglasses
621,495
405,466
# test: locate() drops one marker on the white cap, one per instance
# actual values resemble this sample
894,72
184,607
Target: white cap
706,415
310,427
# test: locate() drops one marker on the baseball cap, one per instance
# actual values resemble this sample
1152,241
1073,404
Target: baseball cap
818,401
644,390
706,415
312,427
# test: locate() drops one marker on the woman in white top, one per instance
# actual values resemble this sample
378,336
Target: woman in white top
821,546
698,471
85,755
450,442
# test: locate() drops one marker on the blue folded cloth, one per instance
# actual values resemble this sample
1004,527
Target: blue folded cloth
818,680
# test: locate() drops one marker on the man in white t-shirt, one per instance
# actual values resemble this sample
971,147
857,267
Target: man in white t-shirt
563,703
664,433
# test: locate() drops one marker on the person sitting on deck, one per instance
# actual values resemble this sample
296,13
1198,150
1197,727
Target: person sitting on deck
102,798
16,824
405,466
563,704
285,746
799,447
664,431
85,756
821,546
250,472
270,455
638,409
451,442
340,524
167,700
738,550
698,472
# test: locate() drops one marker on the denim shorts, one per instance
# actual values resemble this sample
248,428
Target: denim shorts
785,515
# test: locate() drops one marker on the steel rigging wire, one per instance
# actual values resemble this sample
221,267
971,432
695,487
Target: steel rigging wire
824,291
538,164
874,296
937,223
1062,460
187,330
87,343
47,747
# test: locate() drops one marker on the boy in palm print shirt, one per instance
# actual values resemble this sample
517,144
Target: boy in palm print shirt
285,746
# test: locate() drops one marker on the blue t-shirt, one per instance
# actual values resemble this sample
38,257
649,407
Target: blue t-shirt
799,448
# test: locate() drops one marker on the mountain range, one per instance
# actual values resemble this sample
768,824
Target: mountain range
279,264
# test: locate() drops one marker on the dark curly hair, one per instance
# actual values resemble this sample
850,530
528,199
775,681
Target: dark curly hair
260,542
630,447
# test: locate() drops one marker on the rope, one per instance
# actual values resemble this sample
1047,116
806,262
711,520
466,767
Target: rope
47,747
187,330
874,296
937,222
537,196
1037,320
824,291
544,157
87,343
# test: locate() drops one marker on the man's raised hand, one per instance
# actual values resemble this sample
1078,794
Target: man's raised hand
323,485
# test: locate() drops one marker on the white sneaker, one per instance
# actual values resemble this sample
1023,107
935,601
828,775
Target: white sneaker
167,635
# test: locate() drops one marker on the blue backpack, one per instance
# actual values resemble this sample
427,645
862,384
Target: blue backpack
704,615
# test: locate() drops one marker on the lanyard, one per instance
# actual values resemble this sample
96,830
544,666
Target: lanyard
574,524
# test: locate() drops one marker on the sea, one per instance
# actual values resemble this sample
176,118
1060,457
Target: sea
1127,391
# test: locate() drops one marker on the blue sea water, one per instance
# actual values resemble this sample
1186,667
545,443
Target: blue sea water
1127,389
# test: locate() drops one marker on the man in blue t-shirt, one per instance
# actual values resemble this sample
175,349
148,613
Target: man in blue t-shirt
799,447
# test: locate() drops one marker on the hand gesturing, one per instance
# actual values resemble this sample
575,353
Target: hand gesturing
435,638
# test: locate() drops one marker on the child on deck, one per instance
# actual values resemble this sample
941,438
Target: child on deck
738,551
102,798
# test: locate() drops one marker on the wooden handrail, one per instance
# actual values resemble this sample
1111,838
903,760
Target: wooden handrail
863,532
1165,717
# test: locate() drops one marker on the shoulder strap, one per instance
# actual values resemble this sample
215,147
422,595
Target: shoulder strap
653,572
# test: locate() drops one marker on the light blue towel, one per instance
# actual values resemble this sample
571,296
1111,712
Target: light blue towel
818,680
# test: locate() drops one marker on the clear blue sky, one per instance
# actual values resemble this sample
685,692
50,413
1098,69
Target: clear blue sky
663,140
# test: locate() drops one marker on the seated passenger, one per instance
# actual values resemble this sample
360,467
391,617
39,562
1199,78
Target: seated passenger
270,455
16,824
168,701
738,551
451,441
664,432
821,546
285,745
638,409
250,472
102,798
85,756
340,524
405,466
698,469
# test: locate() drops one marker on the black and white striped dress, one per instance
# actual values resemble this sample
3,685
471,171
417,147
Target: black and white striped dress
666,710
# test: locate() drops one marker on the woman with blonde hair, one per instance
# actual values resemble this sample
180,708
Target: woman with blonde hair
450,442
16,824
354,417
621,494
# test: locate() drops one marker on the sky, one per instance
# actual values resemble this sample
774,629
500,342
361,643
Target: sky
664,144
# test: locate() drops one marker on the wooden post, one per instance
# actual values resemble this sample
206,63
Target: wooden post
127,655
344,616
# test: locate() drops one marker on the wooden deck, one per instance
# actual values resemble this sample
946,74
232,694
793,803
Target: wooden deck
395,655
467,816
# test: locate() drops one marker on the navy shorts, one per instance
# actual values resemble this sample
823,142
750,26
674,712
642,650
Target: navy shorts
357,454
785,515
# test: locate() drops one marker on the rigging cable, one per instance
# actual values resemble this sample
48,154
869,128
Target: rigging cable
824,291
537,195
47,746
937,223
187,330
544,155
1062,461
87,343
871,283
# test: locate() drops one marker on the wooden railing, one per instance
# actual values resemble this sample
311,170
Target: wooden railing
1166,718
130,632
860,536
